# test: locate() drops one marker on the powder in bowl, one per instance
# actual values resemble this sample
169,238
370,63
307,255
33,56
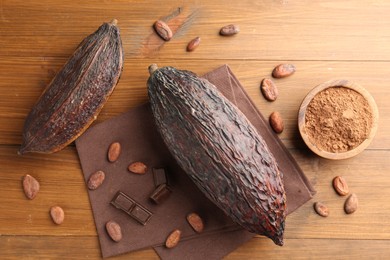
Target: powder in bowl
338,119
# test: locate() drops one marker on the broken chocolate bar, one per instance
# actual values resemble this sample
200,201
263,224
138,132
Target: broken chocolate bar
141,214
160,194
159,176
131,207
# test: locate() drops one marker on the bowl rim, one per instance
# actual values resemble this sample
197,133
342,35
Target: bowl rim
338,83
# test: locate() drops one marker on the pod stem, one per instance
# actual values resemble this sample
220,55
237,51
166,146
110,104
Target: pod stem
152,68
113,22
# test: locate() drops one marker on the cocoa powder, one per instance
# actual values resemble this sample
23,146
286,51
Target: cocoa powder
338,119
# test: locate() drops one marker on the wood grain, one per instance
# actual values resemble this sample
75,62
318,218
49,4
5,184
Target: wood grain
30,247
270,30
324,39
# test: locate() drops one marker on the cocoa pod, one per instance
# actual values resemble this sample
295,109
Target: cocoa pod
221,151
74,98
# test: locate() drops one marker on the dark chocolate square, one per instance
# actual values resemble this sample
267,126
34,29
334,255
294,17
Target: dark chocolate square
141,214
160,194
122,201
159,176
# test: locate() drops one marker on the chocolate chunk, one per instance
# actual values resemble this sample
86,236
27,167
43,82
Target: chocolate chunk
135,210
160,194
159,176
141,214
122,201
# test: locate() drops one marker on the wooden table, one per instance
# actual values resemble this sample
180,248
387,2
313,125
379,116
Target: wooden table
327,39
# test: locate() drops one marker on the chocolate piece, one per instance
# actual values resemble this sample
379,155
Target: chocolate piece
141,214
159,176
160,194
122,201
131,207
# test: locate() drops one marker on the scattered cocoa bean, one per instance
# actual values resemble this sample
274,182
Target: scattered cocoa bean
114,230
276,122
95,180
193,44
163,30
283,70
57,214
114,151
30,186
229,30
269,89
138,168
340,186
321,209
351,204
173,238
195,222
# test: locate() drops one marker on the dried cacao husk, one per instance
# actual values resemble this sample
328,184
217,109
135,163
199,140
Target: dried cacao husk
74,98
221,151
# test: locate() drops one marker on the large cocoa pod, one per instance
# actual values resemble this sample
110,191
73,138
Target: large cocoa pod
74,98
216,145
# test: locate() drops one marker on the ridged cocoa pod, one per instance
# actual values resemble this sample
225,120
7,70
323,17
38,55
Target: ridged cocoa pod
222,152
74,98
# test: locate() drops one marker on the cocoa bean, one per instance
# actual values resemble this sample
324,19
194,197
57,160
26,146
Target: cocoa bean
95,180
30,186
276,122
173,238
229,30
269,89
114,230
283,70
193,44
321,209
351,204
114,151
57,214
163,30
138,168
195,222
340,186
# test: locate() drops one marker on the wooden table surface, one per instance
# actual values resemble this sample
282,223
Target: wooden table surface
325,39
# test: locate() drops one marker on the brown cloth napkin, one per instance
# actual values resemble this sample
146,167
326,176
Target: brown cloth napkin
141,141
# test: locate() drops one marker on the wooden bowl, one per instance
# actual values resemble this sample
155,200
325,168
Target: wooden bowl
302,117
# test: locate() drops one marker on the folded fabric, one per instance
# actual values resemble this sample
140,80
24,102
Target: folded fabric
140,141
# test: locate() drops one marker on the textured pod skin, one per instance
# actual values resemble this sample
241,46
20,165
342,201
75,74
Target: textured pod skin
220,150
73,99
